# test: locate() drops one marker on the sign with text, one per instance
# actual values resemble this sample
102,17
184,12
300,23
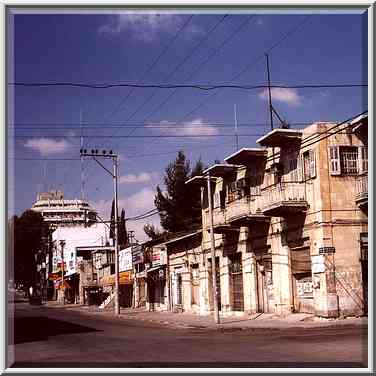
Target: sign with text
137,255
326,250
125,259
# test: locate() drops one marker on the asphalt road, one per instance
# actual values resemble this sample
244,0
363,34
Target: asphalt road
54,337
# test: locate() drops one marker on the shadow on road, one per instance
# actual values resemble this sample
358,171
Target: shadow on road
30,329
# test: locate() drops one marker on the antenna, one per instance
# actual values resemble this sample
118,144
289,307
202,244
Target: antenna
82,161
236,129
45,176
270,92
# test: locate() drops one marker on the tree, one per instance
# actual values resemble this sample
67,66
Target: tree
112,224
179,207
122,230
29,231
152,232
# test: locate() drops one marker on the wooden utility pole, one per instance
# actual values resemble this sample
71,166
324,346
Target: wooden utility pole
212,247
62,244
95,154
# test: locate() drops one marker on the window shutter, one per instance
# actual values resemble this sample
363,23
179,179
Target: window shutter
300,168
216,200
334,162
312,164
363,159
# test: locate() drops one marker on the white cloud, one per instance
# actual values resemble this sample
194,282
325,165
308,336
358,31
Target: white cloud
143,177
145,26
284,95
47,146
192,128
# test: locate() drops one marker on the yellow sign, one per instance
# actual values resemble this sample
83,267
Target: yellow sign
125,278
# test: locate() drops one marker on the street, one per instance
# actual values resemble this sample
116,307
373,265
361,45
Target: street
55,337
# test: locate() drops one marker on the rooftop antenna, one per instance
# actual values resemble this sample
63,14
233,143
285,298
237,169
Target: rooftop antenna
236,129
82,161
45,176
272,110
269,92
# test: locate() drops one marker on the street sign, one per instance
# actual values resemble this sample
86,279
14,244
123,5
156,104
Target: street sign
325,250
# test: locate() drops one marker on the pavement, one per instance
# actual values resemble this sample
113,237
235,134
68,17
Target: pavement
229,323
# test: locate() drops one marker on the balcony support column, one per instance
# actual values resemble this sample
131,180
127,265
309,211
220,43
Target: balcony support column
282,279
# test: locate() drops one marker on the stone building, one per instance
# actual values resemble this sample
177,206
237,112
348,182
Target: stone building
290,223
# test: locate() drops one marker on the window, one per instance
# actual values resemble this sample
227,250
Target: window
348,160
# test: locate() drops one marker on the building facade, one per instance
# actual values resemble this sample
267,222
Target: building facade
291,223
60,212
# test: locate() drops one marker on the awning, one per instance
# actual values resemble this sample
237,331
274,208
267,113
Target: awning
200,180
125,278
154,269
221,170
279,137
246,156
183,237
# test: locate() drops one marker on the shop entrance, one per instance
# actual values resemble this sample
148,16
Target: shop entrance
264,285
236,278
302,280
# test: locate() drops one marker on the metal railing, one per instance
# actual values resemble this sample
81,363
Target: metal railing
283,192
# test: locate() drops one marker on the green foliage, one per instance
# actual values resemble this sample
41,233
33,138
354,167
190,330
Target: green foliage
27,234
179,207
122,231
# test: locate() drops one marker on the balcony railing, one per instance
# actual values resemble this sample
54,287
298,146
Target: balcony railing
361,197
283,198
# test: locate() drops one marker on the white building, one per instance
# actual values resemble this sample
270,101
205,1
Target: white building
60,212
65,240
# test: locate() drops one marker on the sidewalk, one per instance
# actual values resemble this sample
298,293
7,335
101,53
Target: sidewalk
229,323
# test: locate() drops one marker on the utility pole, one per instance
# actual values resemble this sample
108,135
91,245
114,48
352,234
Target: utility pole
117,306
95,154
270,93
62,244
212,244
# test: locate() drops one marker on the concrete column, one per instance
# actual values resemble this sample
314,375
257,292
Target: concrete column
226,288
282,279
249,282
204,287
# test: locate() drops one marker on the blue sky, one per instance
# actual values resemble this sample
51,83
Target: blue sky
205,48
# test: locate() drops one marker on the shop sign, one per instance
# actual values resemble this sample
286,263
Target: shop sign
326,250
137,256
125,259
159,257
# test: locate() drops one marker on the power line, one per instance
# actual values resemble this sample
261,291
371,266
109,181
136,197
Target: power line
185,86
147,125
177,67
203,63
251,64
150,68
196,135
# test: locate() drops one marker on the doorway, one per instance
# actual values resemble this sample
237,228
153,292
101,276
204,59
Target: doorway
236,280
264,285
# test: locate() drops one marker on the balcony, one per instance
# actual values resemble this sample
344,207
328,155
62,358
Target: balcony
244,210
361,197
283,199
